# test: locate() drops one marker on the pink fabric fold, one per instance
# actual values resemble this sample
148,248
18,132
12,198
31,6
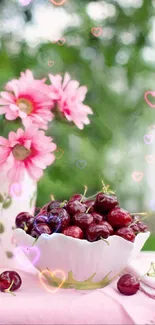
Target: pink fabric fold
34,305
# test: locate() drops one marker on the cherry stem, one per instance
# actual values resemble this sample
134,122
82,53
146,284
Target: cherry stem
91,197
88,209
105,240
85,191
145,215
8,290
25,227
148,272
52,197
63,203
34,241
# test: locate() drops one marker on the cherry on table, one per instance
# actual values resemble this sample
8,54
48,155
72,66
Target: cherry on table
128,284
10,280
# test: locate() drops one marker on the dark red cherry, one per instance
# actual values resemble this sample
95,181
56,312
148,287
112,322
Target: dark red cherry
42,218
104,202
89,204
75,206
127,233
110,228
142,227
58,219
41,228
82,220
128,284
53,205
73,231
24,221
98,217
119,217
95,232
135,228
76,197
10,277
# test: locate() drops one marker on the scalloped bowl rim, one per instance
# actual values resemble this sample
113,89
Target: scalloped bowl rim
80,241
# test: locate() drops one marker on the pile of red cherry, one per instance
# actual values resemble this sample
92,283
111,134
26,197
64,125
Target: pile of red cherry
82,218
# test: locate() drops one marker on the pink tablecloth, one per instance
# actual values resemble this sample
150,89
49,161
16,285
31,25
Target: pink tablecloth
34,305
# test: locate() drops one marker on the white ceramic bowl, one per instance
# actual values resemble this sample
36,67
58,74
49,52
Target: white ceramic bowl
82,258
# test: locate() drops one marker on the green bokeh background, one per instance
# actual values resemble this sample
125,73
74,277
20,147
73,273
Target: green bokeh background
117,68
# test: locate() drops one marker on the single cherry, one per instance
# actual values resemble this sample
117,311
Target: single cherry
41,228
98,217
142,226
95,232
75,206
53,205
41,218
82,220
73,231
10,281
135,228
128,284
58,219
127,233
76,197
24,221
110,228
105,202
119,217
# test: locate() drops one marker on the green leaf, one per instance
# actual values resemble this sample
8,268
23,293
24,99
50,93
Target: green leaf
7,203
71,282
1,198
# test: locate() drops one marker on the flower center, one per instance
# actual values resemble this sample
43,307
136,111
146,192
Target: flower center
25,105
67,111
20,152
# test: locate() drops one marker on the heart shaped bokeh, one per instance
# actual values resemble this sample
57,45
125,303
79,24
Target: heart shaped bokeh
81,163
32,252
47,273
96,31
149,93
137,176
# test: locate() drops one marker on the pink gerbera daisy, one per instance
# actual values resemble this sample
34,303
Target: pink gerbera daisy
69,98
27,98
28,150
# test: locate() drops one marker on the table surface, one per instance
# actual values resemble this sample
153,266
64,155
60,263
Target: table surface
33,304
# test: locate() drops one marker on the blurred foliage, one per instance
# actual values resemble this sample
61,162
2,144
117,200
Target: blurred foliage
117,68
